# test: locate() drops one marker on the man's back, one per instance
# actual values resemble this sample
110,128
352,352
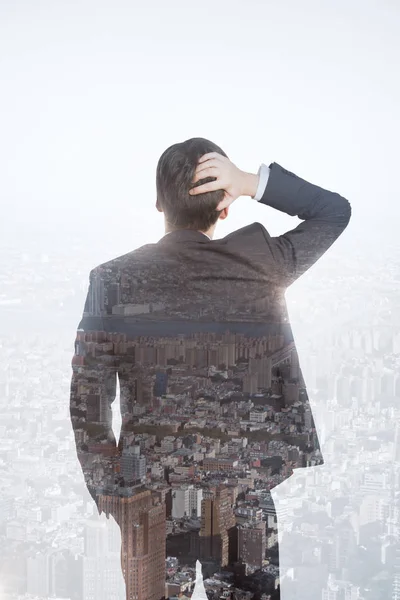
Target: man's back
187,276
187,285
213,402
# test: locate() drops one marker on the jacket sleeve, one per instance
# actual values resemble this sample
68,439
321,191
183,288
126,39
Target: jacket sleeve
93,390
325,216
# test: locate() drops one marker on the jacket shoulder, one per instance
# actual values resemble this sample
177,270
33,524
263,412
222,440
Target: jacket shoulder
255,230
116,265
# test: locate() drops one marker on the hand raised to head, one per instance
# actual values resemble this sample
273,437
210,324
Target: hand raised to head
228,178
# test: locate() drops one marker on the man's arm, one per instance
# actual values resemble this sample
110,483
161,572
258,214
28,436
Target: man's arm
325,216
93,389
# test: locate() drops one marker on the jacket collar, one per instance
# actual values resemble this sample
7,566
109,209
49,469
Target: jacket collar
185,235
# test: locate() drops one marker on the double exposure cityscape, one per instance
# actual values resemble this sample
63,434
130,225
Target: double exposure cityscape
215,423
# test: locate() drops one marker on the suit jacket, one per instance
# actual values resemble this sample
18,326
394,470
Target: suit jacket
197,332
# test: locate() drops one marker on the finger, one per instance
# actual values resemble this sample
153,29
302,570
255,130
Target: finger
207,164
205,169
209,155
203,173
211,186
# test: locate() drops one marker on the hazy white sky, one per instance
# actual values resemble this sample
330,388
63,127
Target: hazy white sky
93,92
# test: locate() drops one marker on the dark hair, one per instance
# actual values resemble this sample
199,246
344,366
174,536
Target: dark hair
174,178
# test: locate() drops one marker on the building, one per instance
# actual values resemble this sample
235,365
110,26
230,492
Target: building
220,464
142,519
258,415
186,502
101,563
161,384
133,465
217,522
252,544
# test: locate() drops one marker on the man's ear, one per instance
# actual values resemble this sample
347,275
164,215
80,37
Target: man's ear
224,213
158,207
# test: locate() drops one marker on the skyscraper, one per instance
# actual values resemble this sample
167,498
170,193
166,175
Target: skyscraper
217,519
142,520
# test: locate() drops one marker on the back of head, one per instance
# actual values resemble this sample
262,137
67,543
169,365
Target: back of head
174,178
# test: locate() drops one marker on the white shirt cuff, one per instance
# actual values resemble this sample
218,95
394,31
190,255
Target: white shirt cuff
263,172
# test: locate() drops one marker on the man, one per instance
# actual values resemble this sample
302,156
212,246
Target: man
214,408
